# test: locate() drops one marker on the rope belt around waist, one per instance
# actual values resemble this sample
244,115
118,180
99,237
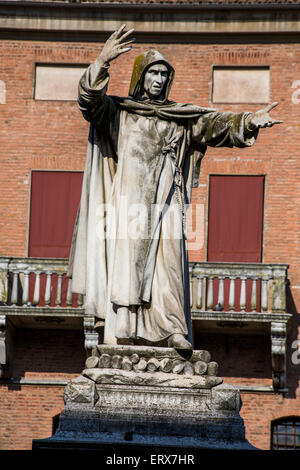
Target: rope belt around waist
170,152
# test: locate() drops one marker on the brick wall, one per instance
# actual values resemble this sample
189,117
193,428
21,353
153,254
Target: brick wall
53,135
27,410
258,410
26,414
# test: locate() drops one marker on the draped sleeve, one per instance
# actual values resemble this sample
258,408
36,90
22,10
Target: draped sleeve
93,102
227,129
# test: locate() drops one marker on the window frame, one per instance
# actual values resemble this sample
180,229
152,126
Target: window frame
56,65
239,67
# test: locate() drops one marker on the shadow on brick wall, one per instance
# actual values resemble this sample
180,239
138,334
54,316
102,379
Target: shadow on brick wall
45,353
238,355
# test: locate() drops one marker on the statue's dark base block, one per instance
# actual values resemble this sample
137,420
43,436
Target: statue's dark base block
130,401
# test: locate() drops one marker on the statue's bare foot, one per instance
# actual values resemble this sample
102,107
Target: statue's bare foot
178,341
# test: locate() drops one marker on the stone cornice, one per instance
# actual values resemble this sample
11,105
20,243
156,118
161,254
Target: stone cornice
154,6
158,22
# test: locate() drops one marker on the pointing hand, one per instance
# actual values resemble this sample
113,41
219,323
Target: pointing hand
262,118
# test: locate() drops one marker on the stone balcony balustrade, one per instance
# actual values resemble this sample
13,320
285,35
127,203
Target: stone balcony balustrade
35,292
241,278
19,275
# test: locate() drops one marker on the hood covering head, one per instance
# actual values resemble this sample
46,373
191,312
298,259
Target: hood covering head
141,64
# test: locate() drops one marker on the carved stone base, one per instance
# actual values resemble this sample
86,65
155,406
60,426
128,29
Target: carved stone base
144,396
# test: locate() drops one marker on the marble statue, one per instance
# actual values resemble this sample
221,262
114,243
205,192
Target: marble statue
144,152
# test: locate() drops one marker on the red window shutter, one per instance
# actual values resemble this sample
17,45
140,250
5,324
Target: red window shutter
235,218
55,197
236,227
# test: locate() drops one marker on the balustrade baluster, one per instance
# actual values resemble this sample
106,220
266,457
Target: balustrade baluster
80,300
221,291
232,293
36,294
58,292
264,295
48,289
69,293
254,295
243,294
210,294
25,296
199,292
14,293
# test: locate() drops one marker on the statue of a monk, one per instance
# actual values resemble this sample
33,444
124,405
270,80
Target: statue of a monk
145,150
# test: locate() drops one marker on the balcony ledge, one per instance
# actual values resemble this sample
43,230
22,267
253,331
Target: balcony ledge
63,312
256,317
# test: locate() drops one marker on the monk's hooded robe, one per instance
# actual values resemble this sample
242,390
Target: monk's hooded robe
141,153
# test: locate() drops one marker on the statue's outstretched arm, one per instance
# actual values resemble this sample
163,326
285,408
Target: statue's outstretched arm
227,129
224,129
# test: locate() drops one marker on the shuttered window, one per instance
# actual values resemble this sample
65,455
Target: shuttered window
235,218
235,231
55,197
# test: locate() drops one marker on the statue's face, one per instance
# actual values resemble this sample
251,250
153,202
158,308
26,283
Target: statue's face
155,80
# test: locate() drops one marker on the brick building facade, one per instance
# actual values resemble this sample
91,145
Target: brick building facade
256,348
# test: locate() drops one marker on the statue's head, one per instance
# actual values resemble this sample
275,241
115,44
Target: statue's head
152,77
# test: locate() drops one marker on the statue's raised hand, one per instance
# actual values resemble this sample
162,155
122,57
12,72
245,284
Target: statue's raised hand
116,44
262,117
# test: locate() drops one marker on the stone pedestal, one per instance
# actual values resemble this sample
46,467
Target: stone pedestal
131,396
